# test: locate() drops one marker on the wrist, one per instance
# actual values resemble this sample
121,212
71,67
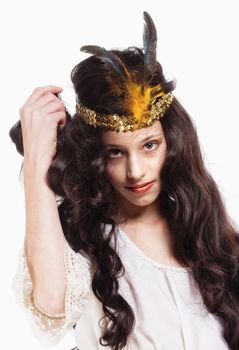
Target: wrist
34,165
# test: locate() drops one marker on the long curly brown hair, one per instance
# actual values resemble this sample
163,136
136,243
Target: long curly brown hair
204,238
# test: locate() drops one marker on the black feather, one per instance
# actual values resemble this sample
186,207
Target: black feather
112,61
149,44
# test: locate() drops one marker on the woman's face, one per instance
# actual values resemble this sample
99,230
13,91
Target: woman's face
134,163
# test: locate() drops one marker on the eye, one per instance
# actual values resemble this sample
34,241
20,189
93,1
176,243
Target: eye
150,145
114,153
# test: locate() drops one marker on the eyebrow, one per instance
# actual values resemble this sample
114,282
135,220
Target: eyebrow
142,141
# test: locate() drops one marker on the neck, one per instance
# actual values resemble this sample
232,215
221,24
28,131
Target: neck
141,214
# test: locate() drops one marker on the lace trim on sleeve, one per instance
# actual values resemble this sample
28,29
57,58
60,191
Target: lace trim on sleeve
78,275
51,328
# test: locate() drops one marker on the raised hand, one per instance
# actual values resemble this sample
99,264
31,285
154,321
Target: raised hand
40,116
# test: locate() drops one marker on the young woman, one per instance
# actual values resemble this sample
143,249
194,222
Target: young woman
127,237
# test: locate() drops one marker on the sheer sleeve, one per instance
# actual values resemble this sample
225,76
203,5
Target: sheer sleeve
51,328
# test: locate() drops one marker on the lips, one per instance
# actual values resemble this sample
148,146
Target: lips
142,188
140,185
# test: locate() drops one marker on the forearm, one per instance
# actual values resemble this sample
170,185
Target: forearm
44,240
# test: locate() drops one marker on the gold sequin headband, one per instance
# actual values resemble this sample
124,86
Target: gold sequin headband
125,123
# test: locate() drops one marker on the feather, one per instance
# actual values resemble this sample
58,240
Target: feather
117,74
149,44
136,91
109,58
138,100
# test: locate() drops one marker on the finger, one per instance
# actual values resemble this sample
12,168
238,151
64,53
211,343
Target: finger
52,107
59,117
43,100
39,91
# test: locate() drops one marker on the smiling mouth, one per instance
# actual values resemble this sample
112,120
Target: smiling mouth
139,186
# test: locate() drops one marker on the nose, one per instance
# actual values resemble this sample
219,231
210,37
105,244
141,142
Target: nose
135,168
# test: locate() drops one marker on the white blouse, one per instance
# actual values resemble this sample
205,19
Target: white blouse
168,308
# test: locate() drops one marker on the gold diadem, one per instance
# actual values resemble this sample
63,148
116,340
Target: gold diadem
124,123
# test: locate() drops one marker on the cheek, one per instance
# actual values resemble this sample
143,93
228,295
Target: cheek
161,161
155,164
162,156
114,173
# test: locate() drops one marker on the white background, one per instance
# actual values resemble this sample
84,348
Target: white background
40,44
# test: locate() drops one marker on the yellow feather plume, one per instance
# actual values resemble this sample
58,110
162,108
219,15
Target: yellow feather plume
140,98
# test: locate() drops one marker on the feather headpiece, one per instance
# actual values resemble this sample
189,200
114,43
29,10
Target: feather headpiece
144,103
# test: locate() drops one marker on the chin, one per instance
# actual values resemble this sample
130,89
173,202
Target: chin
140,199
143,201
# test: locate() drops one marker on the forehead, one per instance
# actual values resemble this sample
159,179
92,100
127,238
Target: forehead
129,137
